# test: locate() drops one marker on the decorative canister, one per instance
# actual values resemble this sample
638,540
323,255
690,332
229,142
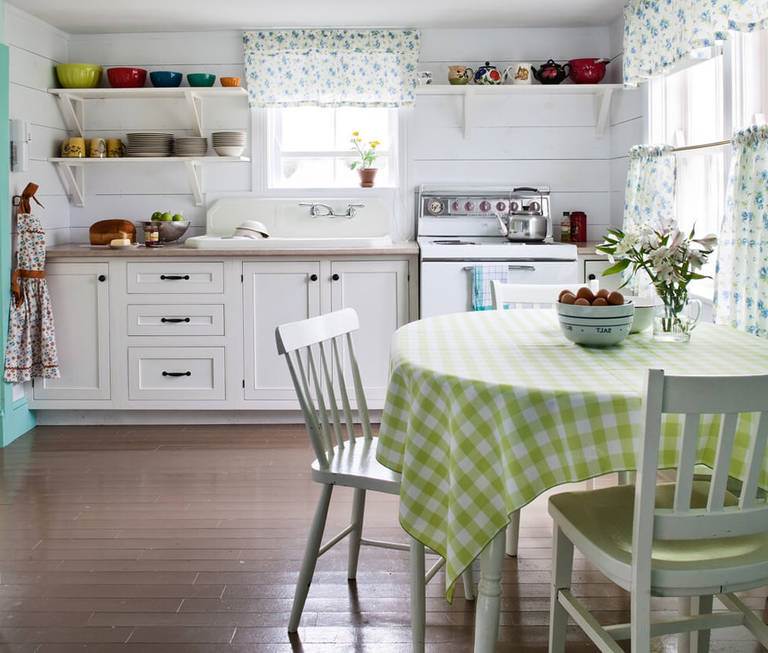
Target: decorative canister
151,234
565,227
578,227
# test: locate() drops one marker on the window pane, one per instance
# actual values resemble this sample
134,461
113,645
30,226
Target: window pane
373,124
306,129
753,76
305,173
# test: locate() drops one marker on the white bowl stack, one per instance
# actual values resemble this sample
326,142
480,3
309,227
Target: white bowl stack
147,144
228,143
190,146
595,326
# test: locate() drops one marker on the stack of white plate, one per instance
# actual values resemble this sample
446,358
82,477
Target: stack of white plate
190,146
149,144
228,143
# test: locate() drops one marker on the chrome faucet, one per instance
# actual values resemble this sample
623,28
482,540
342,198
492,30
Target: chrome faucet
317,210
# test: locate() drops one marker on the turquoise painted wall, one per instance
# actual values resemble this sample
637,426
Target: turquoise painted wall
15,418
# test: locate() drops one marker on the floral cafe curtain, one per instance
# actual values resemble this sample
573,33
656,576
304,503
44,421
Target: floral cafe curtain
650,193
659,33
331,67
742,268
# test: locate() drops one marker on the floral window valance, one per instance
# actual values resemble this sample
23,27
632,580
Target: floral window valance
660,33
331,67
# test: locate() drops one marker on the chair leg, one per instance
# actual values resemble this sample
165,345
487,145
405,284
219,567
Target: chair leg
513,535
468,577
562,569
310,558
358,511
700,638
418,597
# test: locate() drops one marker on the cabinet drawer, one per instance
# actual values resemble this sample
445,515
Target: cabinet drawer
192,277
176,373
175,320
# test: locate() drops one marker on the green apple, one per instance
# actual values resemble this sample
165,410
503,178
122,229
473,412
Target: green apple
166,217
178,218
156,215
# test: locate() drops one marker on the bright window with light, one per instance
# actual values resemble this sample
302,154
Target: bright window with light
309,147
688,111
752,79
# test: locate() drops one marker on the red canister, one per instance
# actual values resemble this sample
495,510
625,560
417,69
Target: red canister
578,227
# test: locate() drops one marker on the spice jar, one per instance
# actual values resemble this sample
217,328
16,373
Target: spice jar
565,227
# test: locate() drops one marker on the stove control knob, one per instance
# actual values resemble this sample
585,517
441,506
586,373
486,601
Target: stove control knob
513,207
485,206
469,206
534,206
456,206
435,207
501,206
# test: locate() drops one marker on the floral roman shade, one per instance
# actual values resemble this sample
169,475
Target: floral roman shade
659,33
331,67
742,267
650,193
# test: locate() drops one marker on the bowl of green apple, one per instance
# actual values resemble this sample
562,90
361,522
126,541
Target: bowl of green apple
172,226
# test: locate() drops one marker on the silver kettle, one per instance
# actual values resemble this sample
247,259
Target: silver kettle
523,226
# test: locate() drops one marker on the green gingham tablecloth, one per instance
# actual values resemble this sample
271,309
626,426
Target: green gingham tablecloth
485,411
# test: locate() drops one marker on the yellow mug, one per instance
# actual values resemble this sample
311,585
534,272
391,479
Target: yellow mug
73,148
115,148
97,148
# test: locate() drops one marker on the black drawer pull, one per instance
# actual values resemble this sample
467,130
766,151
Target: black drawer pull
174,277
102,277
174,320
591,277
187,373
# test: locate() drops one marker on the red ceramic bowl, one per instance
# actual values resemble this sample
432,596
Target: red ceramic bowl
587,71
126,77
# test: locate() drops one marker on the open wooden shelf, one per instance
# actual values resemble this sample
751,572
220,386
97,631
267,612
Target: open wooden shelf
474,92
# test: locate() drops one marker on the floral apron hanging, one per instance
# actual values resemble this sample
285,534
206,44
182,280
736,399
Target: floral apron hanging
31,347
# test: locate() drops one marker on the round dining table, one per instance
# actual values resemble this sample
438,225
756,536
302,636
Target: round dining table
485,411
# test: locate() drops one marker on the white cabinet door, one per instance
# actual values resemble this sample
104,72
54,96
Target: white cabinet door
378,291
274,293
80,298
593,270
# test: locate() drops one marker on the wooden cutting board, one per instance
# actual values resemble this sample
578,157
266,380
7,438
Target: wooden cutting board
104,231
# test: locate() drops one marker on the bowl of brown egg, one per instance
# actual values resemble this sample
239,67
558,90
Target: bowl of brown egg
594,319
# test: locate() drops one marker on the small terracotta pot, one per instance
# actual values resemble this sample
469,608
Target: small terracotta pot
367,175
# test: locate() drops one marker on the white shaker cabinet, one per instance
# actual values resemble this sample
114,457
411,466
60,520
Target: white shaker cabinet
80,297
274,292
378,291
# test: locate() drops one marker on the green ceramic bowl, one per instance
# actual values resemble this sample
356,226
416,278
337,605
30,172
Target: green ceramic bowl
78,75
201,79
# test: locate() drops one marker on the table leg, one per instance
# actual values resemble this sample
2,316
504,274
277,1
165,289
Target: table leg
489,595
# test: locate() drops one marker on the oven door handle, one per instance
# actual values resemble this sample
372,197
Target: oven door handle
524,268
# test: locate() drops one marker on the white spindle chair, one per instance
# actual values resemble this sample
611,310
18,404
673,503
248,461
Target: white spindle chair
314,352
522,296
691,538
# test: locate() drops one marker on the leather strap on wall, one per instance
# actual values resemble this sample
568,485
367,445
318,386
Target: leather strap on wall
22,201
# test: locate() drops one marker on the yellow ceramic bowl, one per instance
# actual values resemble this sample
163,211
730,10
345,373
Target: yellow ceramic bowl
230,81
78,75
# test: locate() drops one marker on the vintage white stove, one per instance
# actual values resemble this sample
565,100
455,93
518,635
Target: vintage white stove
458,230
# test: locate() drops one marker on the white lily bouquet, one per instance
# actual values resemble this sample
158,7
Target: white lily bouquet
671,260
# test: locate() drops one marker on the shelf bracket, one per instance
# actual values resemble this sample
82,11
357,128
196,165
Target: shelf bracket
73,111
603,99
74,180
196,105
195,177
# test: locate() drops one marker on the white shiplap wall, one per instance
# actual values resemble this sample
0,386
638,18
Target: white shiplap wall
34,48
544,139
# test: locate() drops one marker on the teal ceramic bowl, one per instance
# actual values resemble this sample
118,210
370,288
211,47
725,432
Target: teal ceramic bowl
201,79
78,75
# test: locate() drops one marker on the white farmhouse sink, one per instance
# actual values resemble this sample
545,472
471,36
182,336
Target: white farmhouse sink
291,226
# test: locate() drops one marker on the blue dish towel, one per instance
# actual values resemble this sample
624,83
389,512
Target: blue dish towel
482,275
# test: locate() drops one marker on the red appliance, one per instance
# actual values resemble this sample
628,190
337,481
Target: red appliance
126,77
587,71
578,227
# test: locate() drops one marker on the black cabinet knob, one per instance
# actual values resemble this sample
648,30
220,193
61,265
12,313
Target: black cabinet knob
335,277
591,277
313,277
102,277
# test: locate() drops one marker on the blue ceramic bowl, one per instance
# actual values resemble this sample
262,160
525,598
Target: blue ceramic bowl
165,78
201,79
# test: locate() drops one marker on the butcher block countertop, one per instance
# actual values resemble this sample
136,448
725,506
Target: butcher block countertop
79,250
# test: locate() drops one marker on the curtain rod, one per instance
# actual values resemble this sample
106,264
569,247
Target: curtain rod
702,146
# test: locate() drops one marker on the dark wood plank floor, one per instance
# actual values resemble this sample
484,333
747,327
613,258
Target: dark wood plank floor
189,539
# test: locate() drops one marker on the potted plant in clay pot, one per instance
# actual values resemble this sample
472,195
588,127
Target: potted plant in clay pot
365,166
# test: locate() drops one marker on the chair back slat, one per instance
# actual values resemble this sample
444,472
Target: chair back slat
527,295
699,511
343,390
321,382
748,498
687,463
719,482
